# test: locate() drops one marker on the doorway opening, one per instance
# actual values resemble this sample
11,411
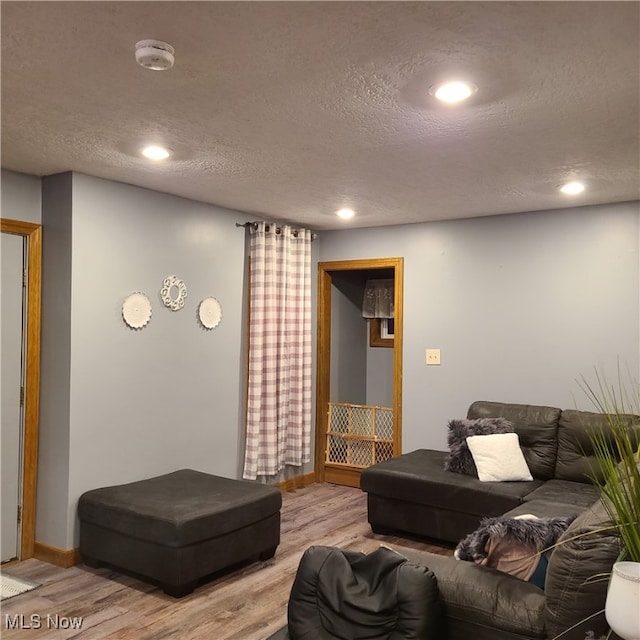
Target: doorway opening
346,278
29,392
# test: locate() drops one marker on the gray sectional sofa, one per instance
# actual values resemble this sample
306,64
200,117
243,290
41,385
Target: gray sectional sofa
413,495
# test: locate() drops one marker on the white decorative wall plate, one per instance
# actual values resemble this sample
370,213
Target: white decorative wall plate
210,313
173,293
136,310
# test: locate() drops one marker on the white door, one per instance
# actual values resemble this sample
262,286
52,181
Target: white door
12,321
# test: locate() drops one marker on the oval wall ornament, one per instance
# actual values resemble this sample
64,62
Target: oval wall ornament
173,293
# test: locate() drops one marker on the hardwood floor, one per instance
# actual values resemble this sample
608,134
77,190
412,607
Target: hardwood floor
248,603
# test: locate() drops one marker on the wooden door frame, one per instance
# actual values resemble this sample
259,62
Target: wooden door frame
33,234
323,365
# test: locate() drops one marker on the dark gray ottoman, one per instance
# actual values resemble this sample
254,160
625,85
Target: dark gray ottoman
179,527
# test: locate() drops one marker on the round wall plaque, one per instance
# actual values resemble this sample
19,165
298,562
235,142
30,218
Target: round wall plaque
136,310
210,313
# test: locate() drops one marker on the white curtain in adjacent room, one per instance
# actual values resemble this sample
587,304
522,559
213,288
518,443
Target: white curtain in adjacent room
279,387
378,298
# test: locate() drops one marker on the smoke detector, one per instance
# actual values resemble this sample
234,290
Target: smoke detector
155,55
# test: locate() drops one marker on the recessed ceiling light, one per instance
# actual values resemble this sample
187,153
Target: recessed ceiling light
572,188
452,92
154,152
345,214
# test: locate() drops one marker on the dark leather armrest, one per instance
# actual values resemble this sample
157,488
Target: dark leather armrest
480,600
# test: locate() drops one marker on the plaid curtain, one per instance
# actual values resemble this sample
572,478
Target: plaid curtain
279,393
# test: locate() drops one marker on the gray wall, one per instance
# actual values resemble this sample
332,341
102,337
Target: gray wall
136,403
20,197
379,375
348,373
520,305
54,450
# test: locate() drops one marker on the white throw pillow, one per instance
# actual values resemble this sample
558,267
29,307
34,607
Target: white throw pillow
498,457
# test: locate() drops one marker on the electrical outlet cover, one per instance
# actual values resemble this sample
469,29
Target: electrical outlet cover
433,356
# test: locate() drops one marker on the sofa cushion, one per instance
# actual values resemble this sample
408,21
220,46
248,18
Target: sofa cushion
179,508
420,477
545,509
459,459
498,458
536,427
574,588
565,492
576,460
483,603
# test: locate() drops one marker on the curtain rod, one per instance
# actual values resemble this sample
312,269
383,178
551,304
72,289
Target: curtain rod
278,229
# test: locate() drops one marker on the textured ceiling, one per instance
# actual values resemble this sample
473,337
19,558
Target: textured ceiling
292,110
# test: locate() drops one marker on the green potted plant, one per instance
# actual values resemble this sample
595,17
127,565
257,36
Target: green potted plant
617,452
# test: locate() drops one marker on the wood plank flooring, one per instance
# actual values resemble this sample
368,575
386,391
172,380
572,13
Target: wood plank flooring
248,603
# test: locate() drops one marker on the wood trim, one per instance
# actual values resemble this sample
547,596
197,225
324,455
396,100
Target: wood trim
33,234
375,334
299,482
341,476
323,366
60,557
397,354
360,265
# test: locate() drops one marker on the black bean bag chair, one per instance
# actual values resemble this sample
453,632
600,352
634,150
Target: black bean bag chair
345,595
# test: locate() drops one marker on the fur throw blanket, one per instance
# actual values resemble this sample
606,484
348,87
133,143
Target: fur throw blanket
537,533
